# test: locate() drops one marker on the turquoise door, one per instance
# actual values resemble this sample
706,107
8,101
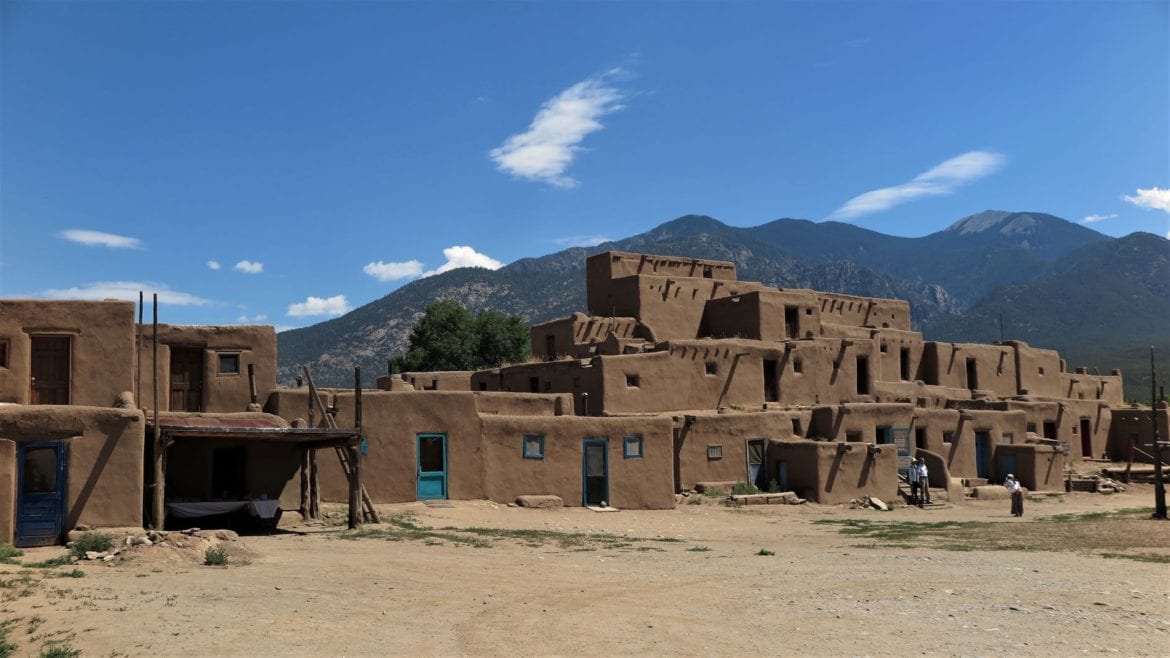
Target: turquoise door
432,466
983,454
595,472
40,492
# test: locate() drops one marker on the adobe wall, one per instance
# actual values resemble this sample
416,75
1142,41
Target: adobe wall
580,379
760,315
392,383
602,270
443,380
730,432
222,391
823,370
634,483
524,404
857,311
677,378
575,335
1133,425
835,473
105,474
858,423
671,307
391,422
1080,385
951,433
892,344
1037,467
1037,370
101,347
946,364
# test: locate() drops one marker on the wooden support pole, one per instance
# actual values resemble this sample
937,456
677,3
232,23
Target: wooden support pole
306,493
355,455
314,486
158,507
252,381
138,354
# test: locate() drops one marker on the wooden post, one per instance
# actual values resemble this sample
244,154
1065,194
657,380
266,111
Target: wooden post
138,354
252,380
314,486
306,493
158,508
355,455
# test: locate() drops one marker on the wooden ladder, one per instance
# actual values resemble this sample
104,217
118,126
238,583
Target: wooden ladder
368,512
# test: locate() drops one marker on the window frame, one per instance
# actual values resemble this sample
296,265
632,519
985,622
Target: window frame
632,439
220,356
524,446
714,451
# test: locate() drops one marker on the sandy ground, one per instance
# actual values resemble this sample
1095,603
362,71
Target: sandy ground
821,593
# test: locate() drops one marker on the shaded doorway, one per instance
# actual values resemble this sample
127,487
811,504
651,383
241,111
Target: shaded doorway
595,472
432,466
186,379
757,474
1086,437
49,370
983,455
40,492
771,381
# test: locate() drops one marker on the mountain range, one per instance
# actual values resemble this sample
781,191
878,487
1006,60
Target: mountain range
1101,301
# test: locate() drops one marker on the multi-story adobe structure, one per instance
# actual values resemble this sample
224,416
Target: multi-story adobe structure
680,374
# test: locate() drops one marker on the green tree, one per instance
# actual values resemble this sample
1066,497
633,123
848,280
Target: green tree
447,337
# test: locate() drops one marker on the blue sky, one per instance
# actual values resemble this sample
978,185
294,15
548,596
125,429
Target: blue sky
283,162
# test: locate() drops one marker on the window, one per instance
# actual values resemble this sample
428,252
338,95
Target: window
884,348
632,447
797,365
862,375
483,386
715,451
229,364
632,381
796,427
853,437
904,362
1008,437
771,383
712,368
3,354
948,437
534,446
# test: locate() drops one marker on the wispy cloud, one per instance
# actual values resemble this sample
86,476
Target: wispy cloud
1153,199
100,239
255,319
462,256
125,290
1091,219
213,265
581,240
944,178
335,305
394,271
553,139
248,267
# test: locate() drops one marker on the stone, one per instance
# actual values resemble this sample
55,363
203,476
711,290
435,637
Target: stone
540,502
877,504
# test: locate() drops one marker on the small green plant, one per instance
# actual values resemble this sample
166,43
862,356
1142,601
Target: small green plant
72,573
98,542
216,556
8,554
698,549
773,486
51,563
764,551
714,492
59,650
744,488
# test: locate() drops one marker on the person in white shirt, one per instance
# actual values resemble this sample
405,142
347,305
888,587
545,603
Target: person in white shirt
912,475
923,481
1017,492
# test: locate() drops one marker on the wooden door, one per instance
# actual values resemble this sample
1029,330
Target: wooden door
40,493
595,471
432,466
50,370
186,379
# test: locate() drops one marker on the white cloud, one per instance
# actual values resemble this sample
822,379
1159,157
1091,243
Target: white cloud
461,256
126,290
392,271
335,305
213,264
255,319
581,240
1153,199
553,139
248,267
942,179
100,239
1089,219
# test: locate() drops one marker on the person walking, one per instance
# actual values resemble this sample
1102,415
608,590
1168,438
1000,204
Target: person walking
923,482
912,475
1017,492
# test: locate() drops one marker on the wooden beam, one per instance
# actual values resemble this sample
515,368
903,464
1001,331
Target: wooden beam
306,492
158,506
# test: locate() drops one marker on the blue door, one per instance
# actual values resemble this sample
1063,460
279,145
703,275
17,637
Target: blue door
757,472
595,472
983,454
40,492
432,466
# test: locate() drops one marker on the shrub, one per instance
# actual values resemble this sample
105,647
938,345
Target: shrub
216,556
742,488
91,541
764,551
8,554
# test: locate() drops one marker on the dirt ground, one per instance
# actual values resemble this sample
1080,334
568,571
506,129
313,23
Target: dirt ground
690,581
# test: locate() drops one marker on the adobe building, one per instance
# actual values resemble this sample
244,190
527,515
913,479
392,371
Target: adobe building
678,375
